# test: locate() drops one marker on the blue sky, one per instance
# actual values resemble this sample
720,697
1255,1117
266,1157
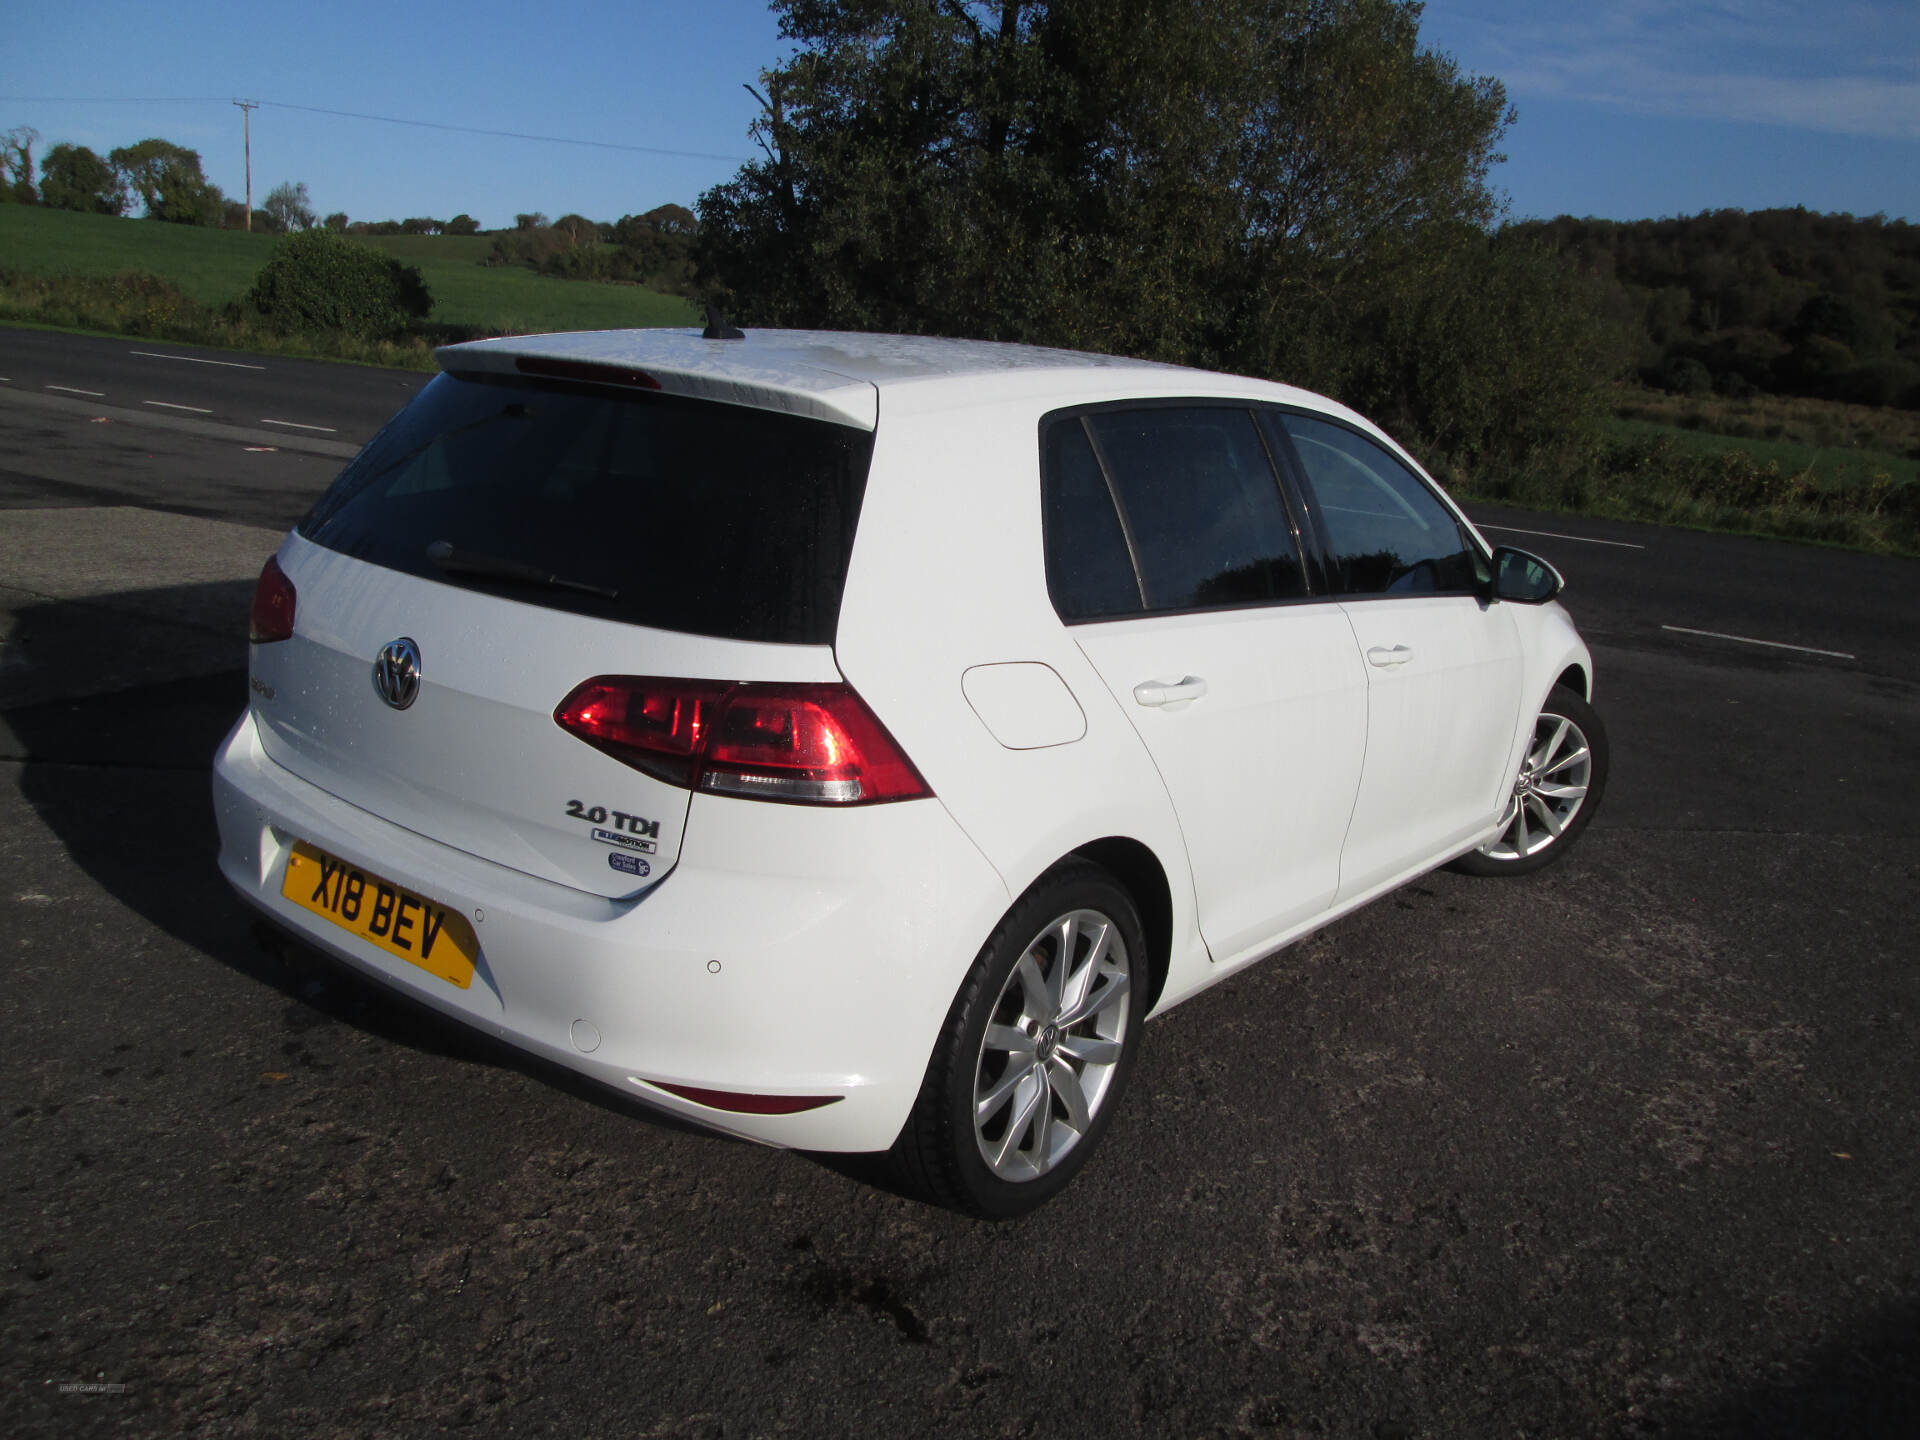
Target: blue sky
1627,108
1637,108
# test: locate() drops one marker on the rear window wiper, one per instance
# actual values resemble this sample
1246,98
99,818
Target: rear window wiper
497,567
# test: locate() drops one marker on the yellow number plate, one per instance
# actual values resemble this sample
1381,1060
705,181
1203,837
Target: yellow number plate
401,923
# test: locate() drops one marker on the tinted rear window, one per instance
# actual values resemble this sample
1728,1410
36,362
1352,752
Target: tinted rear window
1163,508
1203,504
653,509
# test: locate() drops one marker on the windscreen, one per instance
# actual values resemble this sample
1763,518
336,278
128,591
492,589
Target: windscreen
653,509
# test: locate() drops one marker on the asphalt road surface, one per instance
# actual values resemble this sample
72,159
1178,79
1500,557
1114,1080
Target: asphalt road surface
1626,1149
296,398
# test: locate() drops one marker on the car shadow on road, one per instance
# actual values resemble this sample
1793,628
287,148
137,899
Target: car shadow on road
1863,1384
122,780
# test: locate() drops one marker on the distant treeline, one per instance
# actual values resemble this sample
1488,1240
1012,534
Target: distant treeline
654,249
1783,301
167,182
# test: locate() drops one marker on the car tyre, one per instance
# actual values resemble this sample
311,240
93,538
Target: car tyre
1562,776
1036,1051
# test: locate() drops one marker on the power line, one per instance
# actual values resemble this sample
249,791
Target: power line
509,134
382,119
112,100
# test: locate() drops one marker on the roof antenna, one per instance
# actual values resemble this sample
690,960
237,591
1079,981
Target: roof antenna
719,329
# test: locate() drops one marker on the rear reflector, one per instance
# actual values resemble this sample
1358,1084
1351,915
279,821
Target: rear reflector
273,601
803,744
742,1104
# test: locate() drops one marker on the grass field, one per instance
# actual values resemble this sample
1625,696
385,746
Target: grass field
1829,467
213,266
218,266
1827,423
1793,470
468,249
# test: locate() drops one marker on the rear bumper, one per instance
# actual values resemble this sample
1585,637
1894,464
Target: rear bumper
792,951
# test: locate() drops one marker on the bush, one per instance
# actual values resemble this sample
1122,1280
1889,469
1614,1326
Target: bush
1659,479
134,302
1883,382
317,280
1683,375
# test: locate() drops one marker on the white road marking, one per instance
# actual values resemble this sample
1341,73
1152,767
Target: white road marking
296,425
72,390
196,360
169,405
1556,535
1770,644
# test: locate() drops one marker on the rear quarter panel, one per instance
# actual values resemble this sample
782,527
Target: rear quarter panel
948,572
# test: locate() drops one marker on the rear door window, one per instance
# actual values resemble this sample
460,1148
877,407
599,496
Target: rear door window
1164,508
653,509
1089,564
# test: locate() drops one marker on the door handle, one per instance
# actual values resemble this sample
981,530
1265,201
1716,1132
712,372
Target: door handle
1386,659
1174,692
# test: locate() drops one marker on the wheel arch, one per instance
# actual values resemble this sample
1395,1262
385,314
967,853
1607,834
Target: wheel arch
1139,870
1575,678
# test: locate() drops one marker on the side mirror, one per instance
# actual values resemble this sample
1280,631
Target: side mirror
1524,578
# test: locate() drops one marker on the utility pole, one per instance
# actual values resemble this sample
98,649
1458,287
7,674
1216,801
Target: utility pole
247,107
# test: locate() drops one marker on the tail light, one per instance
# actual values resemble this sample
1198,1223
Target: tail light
805,744
273,598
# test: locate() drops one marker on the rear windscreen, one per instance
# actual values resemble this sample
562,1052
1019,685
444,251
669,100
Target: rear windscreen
652,509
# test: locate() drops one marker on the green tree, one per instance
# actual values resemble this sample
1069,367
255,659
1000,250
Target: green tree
665,226
536,246
463,224
16,165
658,246
576,230
290,206
1780,300
168,181
1245,183
72,177
1488,355
671,220
336,222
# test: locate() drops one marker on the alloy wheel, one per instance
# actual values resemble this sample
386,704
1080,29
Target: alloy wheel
1548,792
1052,1045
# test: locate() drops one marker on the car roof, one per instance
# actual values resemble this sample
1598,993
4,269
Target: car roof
840,375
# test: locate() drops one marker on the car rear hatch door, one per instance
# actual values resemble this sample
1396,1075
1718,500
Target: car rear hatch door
506,540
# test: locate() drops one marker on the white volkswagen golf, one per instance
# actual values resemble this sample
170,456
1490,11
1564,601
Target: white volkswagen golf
848,741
